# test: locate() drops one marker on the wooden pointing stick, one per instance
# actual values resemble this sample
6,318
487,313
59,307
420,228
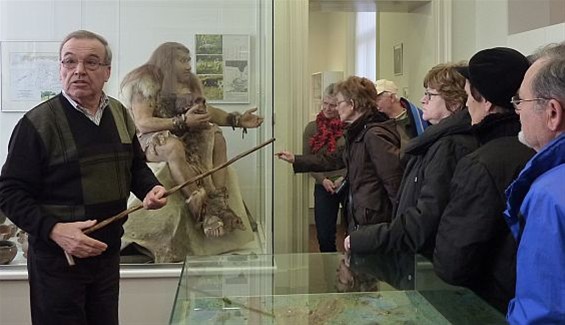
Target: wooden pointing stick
170,191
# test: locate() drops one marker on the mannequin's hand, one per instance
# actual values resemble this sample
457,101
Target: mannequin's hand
250,120
197,118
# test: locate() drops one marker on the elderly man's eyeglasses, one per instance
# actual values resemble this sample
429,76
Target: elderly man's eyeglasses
89,64
516,101
328,104
428,95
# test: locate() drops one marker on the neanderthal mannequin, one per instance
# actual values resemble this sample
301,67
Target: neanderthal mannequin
175,125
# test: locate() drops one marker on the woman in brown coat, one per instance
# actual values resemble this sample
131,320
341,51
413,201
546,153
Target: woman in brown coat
371,155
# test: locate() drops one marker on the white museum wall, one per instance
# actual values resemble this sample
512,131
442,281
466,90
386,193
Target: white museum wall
416,31
491,24
330,35
476,24
134,29
464,30
471,33
528,42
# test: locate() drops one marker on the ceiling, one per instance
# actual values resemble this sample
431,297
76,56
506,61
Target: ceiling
367,5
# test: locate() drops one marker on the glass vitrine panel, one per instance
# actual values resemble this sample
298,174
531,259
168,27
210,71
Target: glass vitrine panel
229,43
322,288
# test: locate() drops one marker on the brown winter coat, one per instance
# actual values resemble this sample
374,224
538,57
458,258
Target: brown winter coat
372,159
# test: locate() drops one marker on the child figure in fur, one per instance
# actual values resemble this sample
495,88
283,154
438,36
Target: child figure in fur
175,125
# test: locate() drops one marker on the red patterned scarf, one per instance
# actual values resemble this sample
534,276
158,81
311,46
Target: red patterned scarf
329,130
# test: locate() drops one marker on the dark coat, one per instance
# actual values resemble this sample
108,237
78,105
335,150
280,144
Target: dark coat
395,268
372,159
424,190
474,247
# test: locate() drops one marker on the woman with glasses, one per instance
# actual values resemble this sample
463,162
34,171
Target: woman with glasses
325,136
371,155
432,158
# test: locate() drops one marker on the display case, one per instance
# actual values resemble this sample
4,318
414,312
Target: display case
322,288
230,43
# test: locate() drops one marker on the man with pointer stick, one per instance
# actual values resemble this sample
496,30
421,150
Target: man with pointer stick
72,162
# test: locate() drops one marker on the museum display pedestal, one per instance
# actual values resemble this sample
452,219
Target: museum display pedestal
147,287
322,288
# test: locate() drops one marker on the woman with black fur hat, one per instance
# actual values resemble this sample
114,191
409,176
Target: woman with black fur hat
474,247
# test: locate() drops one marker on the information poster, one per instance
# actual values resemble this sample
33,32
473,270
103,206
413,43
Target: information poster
222,64
30,74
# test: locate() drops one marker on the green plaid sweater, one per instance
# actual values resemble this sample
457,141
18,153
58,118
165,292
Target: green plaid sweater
62,167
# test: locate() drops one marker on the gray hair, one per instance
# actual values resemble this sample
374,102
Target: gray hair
330,90
552,50
84,34
549,82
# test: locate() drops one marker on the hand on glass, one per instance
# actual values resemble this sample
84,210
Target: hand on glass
345,278
347,244
286,156
250,120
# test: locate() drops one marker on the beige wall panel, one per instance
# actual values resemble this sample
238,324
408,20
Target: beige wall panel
525,15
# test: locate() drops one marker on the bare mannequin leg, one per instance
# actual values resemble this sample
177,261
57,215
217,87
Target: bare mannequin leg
219,157
219,197
172,151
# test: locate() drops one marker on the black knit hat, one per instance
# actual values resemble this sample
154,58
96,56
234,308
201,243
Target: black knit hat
497,74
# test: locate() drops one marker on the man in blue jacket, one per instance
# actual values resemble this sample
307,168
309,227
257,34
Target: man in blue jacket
536,200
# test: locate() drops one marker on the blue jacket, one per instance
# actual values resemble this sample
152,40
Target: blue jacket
536,217
415,115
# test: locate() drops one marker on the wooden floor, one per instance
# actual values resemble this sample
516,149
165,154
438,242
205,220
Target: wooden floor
313,241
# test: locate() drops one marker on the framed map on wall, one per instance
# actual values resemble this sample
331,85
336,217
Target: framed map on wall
397,52
222,64
30,74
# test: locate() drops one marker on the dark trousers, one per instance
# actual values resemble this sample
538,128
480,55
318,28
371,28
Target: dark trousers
86,293
326,209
